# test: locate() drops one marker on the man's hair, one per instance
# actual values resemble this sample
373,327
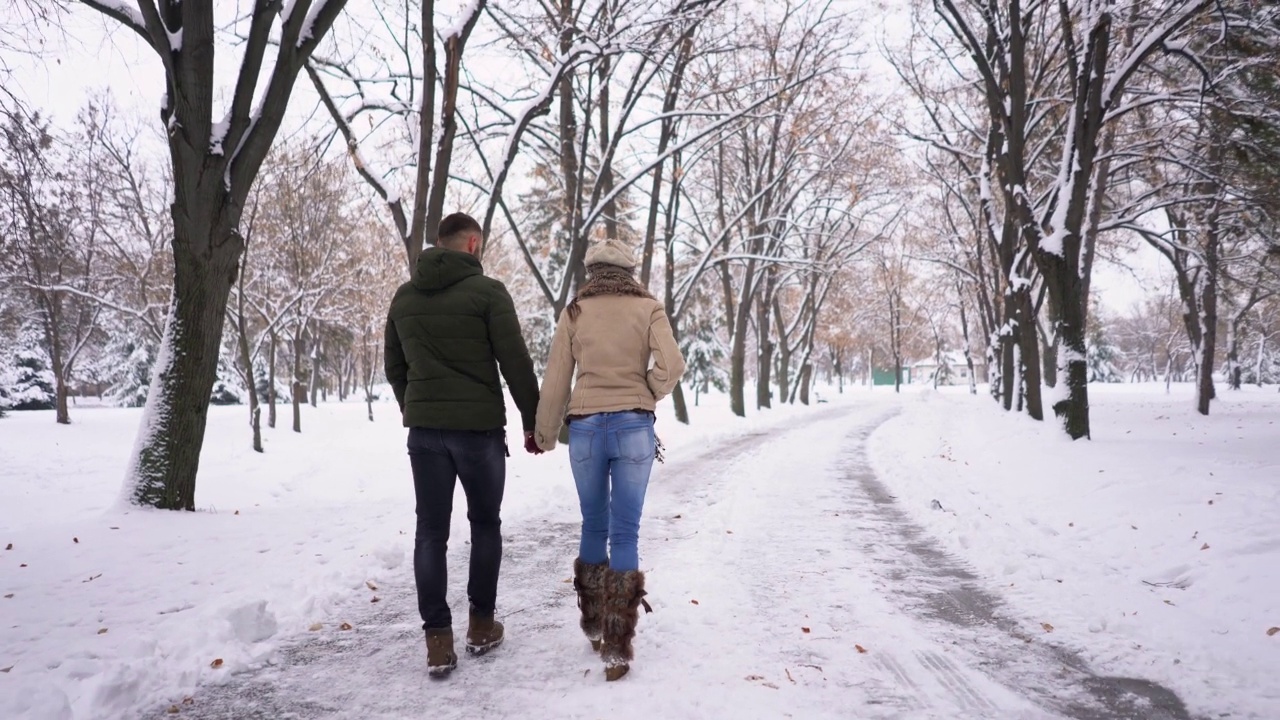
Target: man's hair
455,229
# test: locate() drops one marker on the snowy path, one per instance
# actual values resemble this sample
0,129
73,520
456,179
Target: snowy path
786,582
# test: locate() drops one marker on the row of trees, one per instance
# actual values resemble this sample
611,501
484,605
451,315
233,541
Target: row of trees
1058,132
796,217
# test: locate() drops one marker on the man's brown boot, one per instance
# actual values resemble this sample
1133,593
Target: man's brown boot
483,633
588,580
441,659
623,596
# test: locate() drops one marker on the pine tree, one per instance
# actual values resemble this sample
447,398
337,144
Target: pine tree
28,384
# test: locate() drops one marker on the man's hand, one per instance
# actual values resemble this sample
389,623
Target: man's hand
531,445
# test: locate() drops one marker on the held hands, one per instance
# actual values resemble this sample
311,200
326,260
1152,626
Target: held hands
531,445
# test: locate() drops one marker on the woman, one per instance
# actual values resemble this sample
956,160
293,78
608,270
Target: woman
610,333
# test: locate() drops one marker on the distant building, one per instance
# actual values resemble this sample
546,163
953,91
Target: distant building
954,370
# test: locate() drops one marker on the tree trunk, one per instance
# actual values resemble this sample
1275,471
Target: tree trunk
246,363
299,390
764,355
1030,357
1234,371
314,383
738,368
1208,320
1073,409
271,381
806,379
167,456
60,399
681,405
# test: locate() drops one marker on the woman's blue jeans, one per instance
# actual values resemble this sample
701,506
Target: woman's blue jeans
611,455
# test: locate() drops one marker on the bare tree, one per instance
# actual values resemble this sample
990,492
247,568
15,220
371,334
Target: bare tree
215,160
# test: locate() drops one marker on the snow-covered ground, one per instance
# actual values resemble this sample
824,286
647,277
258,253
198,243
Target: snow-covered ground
108,610
1154,548
772,525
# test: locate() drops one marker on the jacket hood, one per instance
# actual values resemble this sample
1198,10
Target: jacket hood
438,268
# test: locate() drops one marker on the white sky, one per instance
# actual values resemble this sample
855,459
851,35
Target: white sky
94,54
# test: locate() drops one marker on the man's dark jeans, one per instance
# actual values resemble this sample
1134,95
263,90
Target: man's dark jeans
479,460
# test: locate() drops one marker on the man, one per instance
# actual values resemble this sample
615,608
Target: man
448,332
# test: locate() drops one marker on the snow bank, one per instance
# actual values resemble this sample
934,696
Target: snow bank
1154,547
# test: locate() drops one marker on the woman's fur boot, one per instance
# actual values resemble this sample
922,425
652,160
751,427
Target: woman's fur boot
624,594
588,580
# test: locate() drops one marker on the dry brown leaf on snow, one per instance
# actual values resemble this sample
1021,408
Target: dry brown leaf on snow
102,631
7,669
9,596
217,663
861,650
23,565
1204,546
369,584
1047,627
375,599
1272,631
174,710
316,626
804,630
345,626
9,546
188,700
1169,602
693,602
237,512
75,540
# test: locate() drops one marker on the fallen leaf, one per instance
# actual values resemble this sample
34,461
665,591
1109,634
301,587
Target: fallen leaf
1210,502
861,650
586,672
1195,535
237,512
1135,527
345,626
75,540
728,532
174,710
1272,631
694,602
9,596
316,627
5,670
370,585
677,517
753,678
1059,581
23,565
113,527
217,663
1204,546
1071,524
188,700
1047,627
1168,602
804,630
92,578
375,599
102,631
9,546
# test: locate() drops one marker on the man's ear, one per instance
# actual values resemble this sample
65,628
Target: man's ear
473,245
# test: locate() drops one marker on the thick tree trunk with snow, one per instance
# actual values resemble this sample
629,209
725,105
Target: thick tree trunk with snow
167,455
681,405
1208,317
